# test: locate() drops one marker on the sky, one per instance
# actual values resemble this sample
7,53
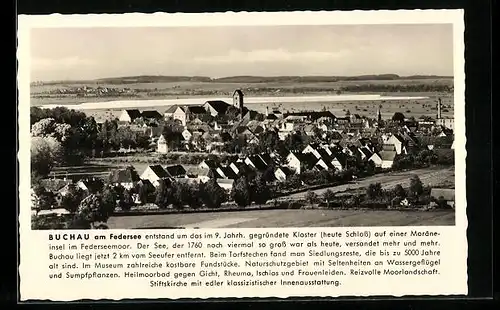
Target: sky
89,53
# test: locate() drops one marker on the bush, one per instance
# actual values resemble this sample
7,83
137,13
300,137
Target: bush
311,197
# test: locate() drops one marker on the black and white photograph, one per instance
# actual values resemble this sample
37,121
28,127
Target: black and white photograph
247,126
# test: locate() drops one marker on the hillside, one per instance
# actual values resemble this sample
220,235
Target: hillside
242,79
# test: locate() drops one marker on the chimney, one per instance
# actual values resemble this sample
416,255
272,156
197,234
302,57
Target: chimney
439,108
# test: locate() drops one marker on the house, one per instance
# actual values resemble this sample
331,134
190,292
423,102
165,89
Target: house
169,113
175,171
365,152
162,145
282,173
339,161
198,173
129,116
376,159
90,185
398,143
225,172
55,185
237,166
387,158
256,162
226,184
208,164
127,178
446,194
300,162
154,174
180,115
216,107
193,112
186,133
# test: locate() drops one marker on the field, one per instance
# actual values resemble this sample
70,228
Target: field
428,176
285,218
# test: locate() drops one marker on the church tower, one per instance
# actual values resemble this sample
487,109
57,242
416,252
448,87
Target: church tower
379,115
439,109
238,101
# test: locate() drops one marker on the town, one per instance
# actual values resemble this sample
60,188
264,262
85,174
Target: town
218,155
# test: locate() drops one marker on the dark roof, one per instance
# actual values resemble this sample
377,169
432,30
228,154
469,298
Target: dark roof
287,171
307,158
124,176
146,183
271,116
93,184
239,92
258,162
133,113
219,105
210,163
446,193
151,114
228,172
313,115
54,185
172,109
175,170
197,110
365,152
266,158
336,135
159,171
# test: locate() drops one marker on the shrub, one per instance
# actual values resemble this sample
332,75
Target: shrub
311,197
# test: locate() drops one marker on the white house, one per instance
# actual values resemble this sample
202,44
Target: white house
180,114
387,159
129,116
162,145
154,174
282,173
375,158
397,142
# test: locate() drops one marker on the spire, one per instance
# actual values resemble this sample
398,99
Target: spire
379,115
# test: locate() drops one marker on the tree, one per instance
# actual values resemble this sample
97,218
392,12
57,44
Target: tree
109,198
374,191
328,196
145,192
44,199
127,201
71,200
268,141
442,203
162,198
416,186
311,197
181,194
46,152
195,200
398,117
90,211
241,192
259,191
212,194
399,191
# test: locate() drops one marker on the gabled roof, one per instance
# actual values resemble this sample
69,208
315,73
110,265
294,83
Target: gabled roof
171,109
446,193
365,151
124,176
218,105
306,158
210,163
239,92
196,110
388,147
93,184
258,162
197,171
133,114
151,114
175,170
159,171
227,171
287,171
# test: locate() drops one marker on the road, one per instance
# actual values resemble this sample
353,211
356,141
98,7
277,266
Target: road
387,180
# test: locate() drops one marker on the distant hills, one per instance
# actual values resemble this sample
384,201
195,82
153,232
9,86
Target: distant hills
242,79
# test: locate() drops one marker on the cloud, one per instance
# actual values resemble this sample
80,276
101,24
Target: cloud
269,55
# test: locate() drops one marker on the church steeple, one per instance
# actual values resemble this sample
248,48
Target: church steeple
379,115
